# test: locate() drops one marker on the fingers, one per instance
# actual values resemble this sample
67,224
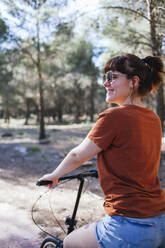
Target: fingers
48,181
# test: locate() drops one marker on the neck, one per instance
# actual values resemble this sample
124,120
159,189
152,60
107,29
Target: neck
135,101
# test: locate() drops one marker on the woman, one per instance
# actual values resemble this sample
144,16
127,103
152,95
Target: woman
127,140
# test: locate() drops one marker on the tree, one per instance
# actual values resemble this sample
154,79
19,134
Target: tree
72,75
25,79
81,62
6,87
3,31
156,11
8,90
34,16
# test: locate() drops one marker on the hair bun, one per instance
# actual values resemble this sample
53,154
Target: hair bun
154,63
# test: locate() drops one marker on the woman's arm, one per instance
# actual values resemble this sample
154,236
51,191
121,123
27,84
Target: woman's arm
76,157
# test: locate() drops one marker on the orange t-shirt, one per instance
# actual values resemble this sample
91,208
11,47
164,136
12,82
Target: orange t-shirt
130,138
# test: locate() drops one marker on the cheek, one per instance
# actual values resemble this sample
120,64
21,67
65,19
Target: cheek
122,90
125,87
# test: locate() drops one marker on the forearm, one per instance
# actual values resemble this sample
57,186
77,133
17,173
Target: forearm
70,163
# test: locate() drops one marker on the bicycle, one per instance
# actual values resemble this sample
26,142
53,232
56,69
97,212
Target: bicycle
53,241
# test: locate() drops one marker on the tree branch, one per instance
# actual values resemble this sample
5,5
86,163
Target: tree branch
126,9
143,43
112,7
30,55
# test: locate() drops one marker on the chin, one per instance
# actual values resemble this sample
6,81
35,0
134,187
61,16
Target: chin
110,100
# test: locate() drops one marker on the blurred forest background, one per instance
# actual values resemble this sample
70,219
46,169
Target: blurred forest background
52,54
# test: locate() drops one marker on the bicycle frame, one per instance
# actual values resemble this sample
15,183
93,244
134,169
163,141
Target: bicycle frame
71,221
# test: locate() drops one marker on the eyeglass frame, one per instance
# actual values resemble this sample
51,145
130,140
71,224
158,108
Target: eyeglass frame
108,77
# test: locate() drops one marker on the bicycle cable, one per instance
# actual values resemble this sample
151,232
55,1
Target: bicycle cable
34,205
32,211
50,205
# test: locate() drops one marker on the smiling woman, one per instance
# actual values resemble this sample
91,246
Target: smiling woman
127,140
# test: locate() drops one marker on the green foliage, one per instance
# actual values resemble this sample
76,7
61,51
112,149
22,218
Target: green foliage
7,88
3,31
74,138
66,57
80,58
35,4
21,133
34,149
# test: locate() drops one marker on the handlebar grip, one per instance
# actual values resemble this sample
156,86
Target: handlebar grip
44,182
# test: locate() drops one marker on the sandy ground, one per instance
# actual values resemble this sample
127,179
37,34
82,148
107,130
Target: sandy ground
22,161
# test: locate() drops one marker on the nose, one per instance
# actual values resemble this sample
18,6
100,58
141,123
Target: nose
107,83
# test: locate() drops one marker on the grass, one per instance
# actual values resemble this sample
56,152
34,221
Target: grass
21,133
74,138
34,149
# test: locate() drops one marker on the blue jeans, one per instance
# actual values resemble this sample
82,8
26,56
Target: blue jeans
125,232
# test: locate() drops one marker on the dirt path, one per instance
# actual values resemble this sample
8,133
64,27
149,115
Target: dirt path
17,229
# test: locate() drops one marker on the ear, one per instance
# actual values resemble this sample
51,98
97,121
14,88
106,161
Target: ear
134,83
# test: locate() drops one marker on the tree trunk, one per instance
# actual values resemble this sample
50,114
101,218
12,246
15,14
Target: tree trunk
77,94
92,99
6,114
160,105
42,134
77,114
60,113
156,42
27,114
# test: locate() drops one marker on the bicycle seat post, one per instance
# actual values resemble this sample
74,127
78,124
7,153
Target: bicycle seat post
72,221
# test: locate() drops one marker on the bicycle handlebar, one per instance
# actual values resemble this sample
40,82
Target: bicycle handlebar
80,176
91,173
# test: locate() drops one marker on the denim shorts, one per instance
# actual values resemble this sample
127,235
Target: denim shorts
126,232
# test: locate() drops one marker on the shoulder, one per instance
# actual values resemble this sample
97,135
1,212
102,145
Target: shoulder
111,112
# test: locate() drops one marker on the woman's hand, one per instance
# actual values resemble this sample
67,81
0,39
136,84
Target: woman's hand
52,178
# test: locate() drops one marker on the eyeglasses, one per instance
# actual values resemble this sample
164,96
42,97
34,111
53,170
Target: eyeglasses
110,76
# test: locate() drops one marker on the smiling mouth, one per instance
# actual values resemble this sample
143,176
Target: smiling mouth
110,91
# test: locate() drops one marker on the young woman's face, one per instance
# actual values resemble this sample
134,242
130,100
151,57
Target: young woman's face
117,86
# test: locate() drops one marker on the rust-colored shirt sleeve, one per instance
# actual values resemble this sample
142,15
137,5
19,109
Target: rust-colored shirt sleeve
104,131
